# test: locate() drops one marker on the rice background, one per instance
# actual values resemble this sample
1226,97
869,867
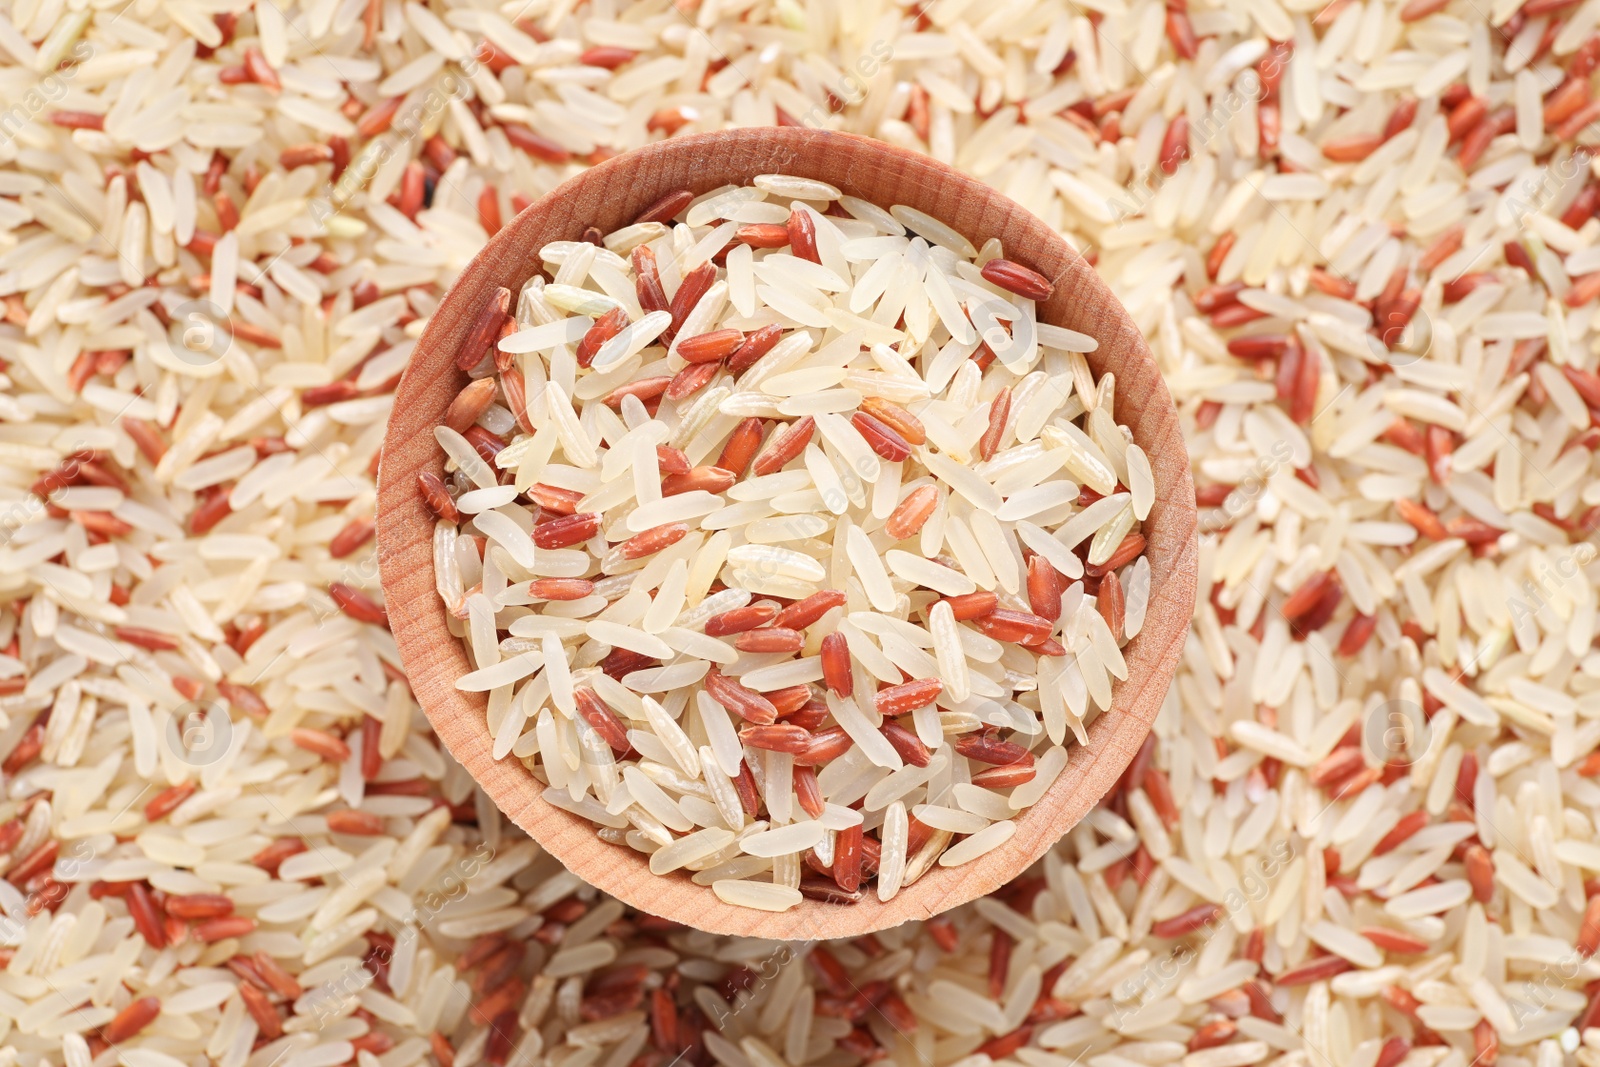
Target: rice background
1360,241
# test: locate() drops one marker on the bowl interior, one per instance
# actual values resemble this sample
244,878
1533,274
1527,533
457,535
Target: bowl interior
613,194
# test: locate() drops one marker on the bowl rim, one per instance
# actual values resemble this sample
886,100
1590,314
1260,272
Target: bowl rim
624,186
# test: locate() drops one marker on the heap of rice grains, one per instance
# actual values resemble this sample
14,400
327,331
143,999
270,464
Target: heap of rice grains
1277,194
728,422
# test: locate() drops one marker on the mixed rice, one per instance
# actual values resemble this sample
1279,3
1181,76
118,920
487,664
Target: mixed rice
1361,240
720,451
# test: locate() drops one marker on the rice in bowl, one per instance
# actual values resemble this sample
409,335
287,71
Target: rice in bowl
813,546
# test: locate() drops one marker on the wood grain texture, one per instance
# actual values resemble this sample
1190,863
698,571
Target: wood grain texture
613,194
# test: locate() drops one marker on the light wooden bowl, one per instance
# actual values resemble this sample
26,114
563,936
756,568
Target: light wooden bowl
613,194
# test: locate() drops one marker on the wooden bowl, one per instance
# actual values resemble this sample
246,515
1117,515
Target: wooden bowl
611,195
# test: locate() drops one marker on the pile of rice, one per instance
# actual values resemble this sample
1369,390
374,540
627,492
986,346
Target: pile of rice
734,604
1361,242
